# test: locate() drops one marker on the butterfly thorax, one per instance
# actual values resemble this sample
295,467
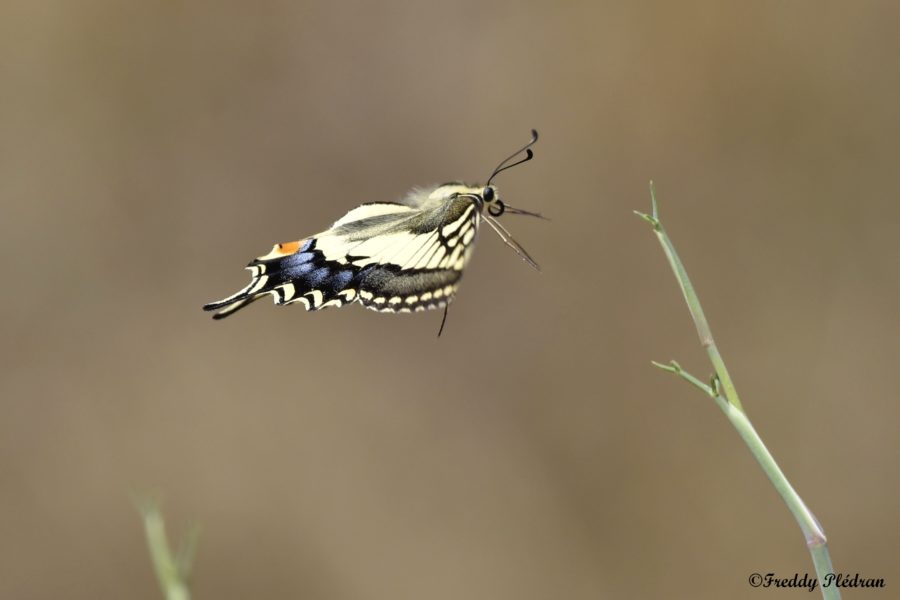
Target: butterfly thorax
453,193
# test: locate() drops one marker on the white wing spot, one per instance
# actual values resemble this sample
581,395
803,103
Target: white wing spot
436,259
258,285
315,296
448,230
457,252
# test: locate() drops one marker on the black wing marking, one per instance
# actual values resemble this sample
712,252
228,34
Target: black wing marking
305,276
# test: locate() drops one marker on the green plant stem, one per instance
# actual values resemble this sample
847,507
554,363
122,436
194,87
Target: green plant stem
171,571
722,390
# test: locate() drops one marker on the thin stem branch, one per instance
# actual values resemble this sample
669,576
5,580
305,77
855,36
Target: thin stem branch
172,571
722,390
693,302
674,368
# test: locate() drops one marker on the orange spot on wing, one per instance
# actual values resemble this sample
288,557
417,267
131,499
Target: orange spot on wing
286,248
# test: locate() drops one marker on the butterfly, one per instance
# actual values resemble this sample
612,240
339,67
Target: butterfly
405,256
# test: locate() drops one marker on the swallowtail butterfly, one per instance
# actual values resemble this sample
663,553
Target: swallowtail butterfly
389,256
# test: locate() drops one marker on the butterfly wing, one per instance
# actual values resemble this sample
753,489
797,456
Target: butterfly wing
389,256
423,271
293,272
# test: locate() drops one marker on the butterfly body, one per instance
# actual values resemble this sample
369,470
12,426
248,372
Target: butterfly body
402,256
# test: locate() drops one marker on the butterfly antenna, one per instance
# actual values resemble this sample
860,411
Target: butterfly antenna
444,319
528,156
521,211
509,241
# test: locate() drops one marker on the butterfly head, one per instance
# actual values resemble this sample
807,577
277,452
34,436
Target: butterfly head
490,198
484,196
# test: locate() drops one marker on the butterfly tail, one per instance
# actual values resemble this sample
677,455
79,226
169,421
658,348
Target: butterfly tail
227,309
258,287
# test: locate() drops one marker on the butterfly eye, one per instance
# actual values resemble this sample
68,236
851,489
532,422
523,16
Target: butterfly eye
488,194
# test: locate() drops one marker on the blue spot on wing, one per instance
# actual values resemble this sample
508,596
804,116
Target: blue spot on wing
308,270
318,276
341,279
297,259
297,264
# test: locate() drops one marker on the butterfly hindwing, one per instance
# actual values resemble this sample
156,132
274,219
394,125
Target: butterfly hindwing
295,272
387,288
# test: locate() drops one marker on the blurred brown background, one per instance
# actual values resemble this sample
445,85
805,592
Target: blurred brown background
148,150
